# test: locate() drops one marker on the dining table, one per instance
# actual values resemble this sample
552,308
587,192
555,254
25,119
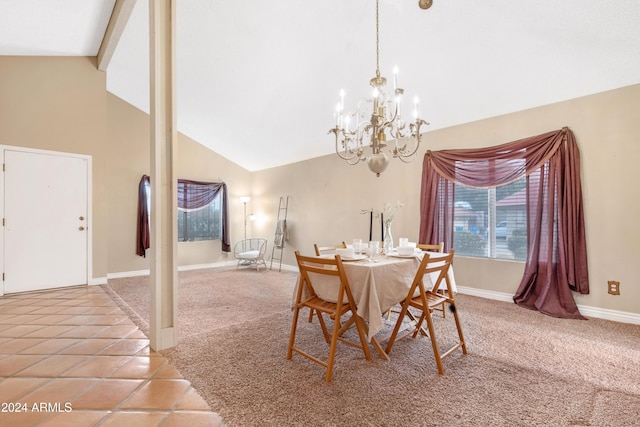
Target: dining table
379,283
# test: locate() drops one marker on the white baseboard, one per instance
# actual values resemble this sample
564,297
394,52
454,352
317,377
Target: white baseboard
211,265
614,315
123,274
585,310
483,293
285,267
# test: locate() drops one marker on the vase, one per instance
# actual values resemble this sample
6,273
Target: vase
388,238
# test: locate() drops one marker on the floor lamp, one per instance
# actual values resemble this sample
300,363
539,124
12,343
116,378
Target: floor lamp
245,200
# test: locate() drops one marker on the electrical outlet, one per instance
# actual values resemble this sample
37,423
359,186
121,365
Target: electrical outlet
614,287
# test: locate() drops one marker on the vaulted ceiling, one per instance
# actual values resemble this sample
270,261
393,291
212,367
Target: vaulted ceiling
258,81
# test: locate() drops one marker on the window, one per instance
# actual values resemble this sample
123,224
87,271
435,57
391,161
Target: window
556,260
200,224
491,222
202,213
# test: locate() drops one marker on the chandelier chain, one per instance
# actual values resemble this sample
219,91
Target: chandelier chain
377,44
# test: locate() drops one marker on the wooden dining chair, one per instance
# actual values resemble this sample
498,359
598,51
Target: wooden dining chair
327,249
422,301
435,248
336,289
432,248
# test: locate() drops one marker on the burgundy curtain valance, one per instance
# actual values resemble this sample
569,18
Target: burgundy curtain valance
497,165
557,255
195,194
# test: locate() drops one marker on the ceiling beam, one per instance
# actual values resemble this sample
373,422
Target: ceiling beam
118,21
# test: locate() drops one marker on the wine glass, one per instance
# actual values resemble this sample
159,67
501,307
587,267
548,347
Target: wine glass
374,250
357,246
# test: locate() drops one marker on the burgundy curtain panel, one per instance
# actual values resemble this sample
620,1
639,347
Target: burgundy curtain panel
191,195
143,240
557,253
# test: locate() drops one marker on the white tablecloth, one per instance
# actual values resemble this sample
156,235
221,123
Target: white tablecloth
378,286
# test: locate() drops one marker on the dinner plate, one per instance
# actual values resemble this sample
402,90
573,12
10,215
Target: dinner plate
397,255
359,257
354,258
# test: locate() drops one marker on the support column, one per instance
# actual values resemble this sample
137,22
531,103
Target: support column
164,197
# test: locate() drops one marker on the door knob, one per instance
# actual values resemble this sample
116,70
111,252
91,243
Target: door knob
81,218
81,228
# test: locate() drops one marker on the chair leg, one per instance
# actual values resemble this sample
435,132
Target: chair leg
292,335
459,327
434,344
332,350
325,331
396,328
360,325
442,307
419,327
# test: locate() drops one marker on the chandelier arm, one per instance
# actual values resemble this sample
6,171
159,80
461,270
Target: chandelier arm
396,133
350,158
415,127
357,160
400,151
352,154
395,116
416,138
395,112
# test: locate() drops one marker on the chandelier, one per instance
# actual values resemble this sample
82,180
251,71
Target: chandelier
360,137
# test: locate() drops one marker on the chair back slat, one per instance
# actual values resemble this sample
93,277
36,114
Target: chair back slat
328,249
331,281
431,247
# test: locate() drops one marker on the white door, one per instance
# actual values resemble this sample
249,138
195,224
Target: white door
45,221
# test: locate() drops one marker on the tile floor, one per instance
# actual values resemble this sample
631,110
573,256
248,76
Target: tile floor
71,357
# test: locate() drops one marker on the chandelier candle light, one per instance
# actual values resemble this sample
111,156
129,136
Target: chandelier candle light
365,139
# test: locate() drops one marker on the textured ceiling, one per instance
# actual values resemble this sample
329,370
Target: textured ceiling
258,81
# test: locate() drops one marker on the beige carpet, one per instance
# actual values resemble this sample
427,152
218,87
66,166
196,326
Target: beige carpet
523,368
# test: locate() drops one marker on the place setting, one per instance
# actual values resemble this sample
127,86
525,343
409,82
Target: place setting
405,249
361,251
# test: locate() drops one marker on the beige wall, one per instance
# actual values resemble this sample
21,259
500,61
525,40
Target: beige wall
61,104
129,159
327,194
